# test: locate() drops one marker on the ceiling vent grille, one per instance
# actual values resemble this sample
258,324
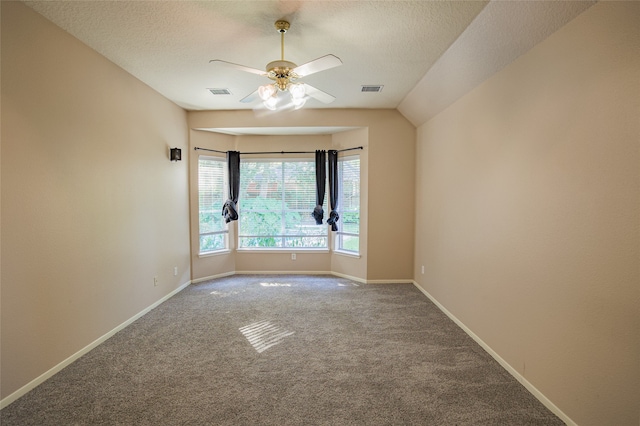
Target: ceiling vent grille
372,89
220,91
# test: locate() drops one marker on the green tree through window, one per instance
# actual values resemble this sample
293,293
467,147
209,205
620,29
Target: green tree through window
276,201
348,235
211,197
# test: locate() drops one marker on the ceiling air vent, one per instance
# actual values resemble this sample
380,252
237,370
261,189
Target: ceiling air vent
220,91
372,89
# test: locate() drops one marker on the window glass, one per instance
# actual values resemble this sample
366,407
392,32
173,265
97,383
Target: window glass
211,198
277,198
348,235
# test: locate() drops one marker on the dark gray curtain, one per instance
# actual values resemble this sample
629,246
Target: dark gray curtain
321,177
333,190
230,208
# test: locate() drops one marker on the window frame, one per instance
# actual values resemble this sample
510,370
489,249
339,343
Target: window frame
282,237
225,189
340,233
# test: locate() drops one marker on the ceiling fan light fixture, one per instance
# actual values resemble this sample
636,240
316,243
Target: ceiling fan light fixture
297,91
267,91
298,102
271,102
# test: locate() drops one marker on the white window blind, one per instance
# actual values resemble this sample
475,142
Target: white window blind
348,234
211,197
277,198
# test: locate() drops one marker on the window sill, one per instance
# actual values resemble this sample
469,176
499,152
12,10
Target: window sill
214,253
347,254
282,250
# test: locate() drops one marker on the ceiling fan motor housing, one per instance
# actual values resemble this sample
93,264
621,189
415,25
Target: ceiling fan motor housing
281,73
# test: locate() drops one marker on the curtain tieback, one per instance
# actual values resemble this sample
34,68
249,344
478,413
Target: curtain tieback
229,211
333,219
318,214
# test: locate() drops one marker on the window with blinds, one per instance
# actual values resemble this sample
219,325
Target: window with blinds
348,234
212,189
277,198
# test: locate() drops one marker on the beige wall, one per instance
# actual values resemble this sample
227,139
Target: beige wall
387,204
528,209
92,208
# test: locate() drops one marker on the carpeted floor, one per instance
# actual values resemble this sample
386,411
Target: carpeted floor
285,350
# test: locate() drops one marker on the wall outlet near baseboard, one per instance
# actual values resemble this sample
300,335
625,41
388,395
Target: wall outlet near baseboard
155,281
293,256
422,269
175,271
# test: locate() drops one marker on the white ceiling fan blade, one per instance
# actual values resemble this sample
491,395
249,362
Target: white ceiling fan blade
318,94
250,97
239,67
317,65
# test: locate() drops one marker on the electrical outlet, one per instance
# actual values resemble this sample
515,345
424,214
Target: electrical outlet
155,281
293,256
175,271
423,269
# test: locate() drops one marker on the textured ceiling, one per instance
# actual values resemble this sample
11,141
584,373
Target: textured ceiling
426,54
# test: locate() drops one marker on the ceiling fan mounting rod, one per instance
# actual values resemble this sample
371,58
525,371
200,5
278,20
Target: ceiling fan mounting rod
281,71
282,27
282,46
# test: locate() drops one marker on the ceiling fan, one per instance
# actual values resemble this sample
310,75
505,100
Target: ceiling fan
284,74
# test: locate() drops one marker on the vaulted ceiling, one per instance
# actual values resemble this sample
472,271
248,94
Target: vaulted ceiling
424,54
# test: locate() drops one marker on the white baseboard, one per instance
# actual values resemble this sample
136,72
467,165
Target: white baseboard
212,277
532,389
389,281
282,273
349,277
48,374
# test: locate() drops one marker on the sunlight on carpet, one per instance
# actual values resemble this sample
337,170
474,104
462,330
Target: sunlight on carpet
263,334
222,294
275,285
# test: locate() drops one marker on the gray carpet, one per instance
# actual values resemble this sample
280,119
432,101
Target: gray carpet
285,350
